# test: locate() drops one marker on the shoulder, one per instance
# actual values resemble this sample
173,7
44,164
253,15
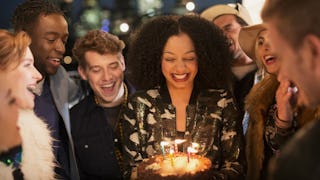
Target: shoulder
78,111
146,94
37,140
301,151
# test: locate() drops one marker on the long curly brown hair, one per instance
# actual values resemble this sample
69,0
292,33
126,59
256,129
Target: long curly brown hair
211,47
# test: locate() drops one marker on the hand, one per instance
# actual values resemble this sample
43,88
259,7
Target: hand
284,96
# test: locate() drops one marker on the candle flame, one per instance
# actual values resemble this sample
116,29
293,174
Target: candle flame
164,143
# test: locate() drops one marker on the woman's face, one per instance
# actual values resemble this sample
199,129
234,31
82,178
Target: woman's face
265,54
25,76
9,131
179,62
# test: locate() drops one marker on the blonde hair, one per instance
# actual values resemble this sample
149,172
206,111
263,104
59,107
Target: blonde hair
12,48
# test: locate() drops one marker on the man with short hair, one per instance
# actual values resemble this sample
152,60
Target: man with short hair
230,20
95,125
48,29
294,27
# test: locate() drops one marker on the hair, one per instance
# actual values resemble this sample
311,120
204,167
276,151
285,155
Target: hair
12,48
293,18
98,41
211,47
26,14
258,59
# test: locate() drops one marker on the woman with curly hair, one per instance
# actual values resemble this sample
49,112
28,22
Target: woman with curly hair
182,63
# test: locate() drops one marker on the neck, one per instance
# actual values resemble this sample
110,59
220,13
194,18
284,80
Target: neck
242,60
179,96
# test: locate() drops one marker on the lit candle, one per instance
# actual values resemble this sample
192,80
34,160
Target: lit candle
189,150
162,144
171,156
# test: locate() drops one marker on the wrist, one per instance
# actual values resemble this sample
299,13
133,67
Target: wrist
281,123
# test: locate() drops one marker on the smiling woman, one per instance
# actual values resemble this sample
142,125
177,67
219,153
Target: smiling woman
182,65
20,130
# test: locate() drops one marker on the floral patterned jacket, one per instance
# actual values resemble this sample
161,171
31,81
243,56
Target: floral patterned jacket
212,121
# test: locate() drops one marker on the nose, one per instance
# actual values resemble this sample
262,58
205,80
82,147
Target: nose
60,46
36,74
180,64
267,46
107,75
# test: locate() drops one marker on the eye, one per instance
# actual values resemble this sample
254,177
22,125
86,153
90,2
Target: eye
114,66
260,42
50,40
95,70
169,59
190,59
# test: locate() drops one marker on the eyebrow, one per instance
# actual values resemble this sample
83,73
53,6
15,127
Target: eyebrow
191,51
55,33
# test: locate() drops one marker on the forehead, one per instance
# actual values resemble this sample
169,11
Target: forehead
180,42
52,23
263,34
93,58
225,20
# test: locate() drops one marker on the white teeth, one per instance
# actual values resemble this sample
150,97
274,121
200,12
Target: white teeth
180,76
107,85
268,57
293,89
56,59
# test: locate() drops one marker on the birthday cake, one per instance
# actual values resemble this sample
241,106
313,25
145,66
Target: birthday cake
178,166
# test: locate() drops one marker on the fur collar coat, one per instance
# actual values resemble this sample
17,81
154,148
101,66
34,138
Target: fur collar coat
37,155
258,102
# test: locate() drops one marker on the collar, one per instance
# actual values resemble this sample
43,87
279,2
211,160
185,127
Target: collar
165,96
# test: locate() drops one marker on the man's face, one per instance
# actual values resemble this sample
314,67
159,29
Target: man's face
231,28
298,65
104,74
49,37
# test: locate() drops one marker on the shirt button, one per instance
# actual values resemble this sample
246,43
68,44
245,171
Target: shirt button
115,140
86,146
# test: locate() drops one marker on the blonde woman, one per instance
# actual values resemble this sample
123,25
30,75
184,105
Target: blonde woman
273,114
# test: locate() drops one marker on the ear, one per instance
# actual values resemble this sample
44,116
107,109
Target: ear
82,73
123,65
312,46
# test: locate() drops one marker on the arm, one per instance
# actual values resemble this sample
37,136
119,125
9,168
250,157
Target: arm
232,142
226,142
132,143
280,124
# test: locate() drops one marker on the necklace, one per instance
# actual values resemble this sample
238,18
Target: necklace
12,157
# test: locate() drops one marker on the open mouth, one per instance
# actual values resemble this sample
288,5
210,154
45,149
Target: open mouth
55,61
269,59
180,77
31,89
107,88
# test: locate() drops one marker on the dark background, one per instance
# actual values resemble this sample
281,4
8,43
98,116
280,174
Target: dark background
84,15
